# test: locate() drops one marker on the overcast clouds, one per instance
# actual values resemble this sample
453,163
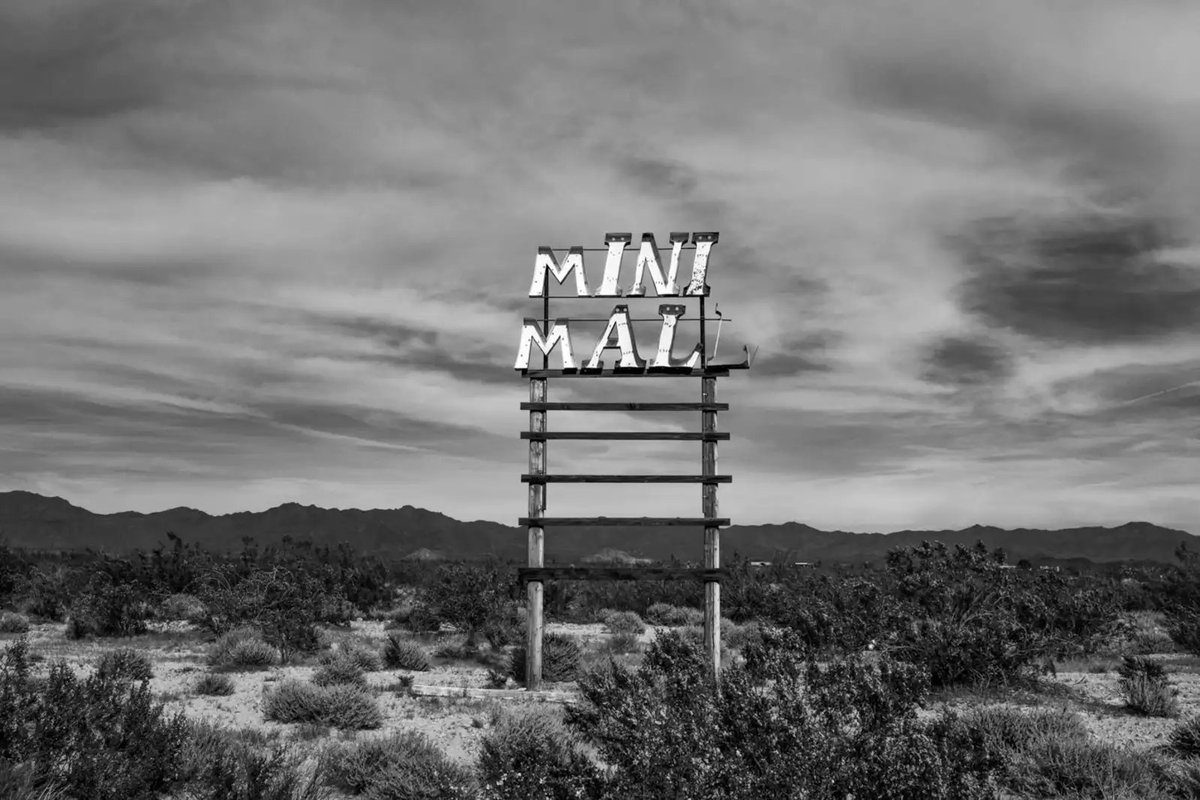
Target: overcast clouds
254,252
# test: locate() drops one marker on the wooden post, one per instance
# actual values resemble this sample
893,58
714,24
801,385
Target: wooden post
712,535
537,539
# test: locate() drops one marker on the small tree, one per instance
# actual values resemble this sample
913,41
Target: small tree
470,596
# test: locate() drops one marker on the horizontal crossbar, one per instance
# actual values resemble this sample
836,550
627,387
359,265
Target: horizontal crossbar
624,406
651,372
626,478
679,522
630,436
619,573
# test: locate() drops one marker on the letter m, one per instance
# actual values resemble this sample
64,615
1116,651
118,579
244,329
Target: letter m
531,336
547,262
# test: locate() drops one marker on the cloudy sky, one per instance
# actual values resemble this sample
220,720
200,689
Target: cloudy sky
258,251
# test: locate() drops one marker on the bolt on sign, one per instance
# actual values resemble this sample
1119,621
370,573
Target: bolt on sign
585,345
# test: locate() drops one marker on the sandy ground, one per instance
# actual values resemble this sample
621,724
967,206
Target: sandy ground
179,652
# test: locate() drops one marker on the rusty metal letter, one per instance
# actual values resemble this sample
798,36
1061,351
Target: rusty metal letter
666,339
649,260
531,334
547,261
704,243
618,334
612,266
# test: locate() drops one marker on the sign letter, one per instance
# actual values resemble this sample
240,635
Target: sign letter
649,261
704,243
531,334
547,261
618,334
666,339
612,266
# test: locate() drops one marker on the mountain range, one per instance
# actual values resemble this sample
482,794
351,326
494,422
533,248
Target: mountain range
51,523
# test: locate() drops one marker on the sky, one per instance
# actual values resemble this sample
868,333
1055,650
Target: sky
256,251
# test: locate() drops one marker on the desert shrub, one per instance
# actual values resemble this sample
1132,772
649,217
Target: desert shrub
214,684
186,607
1183,626
1141,633
506,627
963,617
243,649
1146,688
469,596
400,653
781,725
1044,753
620,643
340,670
20,782
532,756
738,636
405,766
423,620
107,608
99,736
1185,738
286,604
45,593
560,659
12,622
224,766
674,616
364,657
624,622
337,705
124,664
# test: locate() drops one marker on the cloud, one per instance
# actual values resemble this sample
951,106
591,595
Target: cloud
961,361
1091,279
250,253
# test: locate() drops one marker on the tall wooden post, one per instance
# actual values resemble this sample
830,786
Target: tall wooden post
537,538
712,534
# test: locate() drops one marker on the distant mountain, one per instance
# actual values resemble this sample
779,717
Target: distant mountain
34,521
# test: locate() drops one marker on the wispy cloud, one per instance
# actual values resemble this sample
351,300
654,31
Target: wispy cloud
252,254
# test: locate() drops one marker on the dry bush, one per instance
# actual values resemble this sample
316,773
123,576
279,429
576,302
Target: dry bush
243,648
1043,753
1185,738
338,705
403,765
400,653
532,754
627,622
340,670
185,607
621,644
1146,688
12,622
214,685
674,616
365,657
229,765
124,664
560,659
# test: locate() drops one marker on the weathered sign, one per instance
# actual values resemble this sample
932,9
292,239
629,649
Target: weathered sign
551,334
619,332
